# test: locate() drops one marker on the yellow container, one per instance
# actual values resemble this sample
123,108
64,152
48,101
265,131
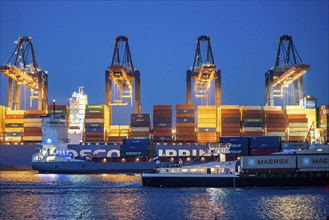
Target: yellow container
13,139
272,108
32,120
15,112
230,107
251,107
32,138
294,107
14,130
14,121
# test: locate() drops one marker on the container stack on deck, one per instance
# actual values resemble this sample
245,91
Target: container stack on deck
275,121
324,121
297,123
140,126
207,124
253,121
14,126
116,133
96,123
32,126
185,123
162,123
62,111
230,121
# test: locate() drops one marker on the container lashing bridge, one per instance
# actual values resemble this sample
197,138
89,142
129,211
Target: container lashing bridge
203,73
287,72
22,69
122,75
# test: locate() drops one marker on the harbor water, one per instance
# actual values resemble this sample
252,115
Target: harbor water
29,195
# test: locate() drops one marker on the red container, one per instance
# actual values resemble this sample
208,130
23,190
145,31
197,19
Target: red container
262,151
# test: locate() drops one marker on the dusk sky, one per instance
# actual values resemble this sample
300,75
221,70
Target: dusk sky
74,42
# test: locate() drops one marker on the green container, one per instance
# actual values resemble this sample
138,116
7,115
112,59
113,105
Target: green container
64,112
253,119
94,111
95,107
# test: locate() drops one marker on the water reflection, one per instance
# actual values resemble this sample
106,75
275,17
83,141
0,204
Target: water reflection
291,207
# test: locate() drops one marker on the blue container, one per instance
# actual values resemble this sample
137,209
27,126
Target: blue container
162,124
267,145
140,124
185,111
234,140
94,129
11,134
127,142
187,120
134,153
162,138
162,120
207,129
266,139
253,124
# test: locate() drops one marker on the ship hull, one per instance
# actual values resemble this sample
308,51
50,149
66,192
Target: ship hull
85,167
266,180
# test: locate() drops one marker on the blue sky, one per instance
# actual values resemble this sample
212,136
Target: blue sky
74,42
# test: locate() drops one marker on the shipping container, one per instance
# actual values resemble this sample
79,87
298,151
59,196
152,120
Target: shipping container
268,162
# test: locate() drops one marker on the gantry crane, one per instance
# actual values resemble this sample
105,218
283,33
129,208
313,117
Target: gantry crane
287,73
203,72
122,74
22,69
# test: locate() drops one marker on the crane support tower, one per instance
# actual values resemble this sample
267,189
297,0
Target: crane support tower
203,73
121,73
22,69
287,72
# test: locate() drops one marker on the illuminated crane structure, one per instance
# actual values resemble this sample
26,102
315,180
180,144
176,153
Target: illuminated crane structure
287,73
203,73
24,71
122,75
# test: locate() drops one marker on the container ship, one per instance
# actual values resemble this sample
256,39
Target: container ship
173,133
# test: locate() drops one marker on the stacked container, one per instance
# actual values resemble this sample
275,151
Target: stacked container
32,125
59,111
162,123
239,147
96,123
14,126
323,122
230,118
140,126
253,121
207,124
185,123
275,121
116,133
3,110
260,146
297,123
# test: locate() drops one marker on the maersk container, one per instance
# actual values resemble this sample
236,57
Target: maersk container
162,124
94,125
313,162
294,145
268,162
266,139
162,138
